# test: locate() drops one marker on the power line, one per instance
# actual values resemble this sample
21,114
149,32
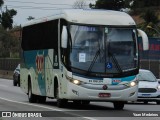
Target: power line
37,3
40,8
32,7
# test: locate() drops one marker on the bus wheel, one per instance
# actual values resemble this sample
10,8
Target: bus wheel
118,105
32,98
158,102
81,102
145,102
85,102
77,102
19,81
41,99
60,102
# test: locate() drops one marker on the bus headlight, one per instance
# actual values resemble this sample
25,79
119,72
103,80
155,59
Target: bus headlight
74,81
133,83
77,82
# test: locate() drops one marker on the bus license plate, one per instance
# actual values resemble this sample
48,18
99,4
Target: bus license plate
104,95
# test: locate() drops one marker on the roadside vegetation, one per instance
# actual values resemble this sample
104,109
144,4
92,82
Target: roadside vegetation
9,44
146,13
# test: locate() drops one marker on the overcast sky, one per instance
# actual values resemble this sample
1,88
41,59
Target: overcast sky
37,8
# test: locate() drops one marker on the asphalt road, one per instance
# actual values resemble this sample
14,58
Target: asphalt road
13,100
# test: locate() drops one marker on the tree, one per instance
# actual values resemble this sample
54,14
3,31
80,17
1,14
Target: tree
110,4
150,16
80,4
1,3
7,18
145,3
8,43
151,20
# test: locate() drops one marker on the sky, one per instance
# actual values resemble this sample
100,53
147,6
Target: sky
36,8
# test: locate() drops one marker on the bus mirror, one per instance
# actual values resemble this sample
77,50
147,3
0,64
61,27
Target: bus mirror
64,37
144,39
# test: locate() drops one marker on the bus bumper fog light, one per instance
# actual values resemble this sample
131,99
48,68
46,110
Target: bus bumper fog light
131,94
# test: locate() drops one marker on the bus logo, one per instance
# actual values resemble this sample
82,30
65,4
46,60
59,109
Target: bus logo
39,63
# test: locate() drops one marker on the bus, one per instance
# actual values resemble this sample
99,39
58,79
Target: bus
80,56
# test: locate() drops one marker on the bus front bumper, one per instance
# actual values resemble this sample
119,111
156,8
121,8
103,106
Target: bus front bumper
76,92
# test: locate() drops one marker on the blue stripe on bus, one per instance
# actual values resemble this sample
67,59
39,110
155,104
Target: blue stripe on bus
128,79
95,78
116,81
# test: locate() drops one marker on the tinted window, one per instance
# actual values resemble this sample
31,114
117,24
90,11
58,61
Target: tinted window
40,36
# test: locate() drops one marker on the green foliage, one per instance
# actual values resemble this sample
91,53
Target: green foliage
145,3
147,9
1,2
7,18
8,43
150,26
150,17
110,4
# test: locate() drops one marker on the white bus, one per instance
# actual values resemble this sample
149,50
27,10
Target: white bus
81,56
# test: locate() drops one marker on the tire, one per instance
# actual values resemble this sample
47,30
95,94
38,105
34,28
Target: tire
85,102
118,105
41,99
14,83
76,102
145,102
18,81
61,103
158,102
81,102
31,97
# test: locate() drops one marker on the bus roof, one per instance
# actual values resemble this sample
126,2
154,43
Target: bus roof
89,16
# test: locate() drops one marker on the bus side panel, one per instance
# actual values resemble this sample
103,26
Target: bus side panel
34,61
49,73
24,79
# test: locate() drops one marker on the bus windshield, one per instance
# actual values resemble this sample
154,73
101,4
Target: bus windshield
102,49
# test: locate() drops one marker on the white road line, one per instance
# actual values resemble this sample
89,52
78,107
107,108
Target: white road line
30,104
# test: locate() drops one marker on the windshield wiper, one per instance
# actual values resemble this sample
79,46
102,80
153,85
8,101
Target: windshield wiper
115,62
114,59
94,60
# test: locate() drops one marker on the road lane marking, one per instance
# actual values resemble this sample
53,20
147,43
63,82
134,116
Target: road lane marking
30,104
